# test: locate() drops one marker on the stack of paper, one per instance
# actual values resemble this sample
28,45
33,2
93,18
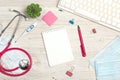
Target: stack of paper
107,62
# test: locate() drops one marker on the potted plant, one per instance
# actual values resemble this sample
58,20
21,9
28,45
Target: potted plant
33,10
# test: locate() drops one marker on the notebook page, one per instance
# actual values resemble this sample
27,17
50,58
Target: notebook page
57,46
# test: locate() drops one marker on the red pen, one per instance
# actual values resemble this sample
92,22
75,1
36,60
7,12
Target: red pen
82,43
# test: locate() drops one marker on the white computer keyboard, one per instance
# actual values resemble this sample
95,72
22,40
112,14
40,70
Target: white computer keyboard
105,12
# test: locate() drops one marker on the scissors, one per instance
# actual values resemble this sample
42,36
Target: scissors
24,64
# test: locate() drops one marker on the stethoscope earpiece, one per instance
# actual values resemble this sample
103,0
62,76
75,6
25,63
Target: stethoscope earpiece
13,10
26,19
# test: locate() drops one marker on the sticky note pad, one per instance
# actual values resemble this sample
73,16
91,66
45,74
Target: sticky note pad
49,18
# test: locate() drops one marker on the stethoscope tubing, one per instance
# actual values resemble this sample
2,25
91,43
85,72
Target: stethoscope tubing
6,71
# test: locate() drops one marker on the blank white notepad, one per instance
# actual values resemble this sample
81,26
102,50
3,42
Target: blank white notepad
57,46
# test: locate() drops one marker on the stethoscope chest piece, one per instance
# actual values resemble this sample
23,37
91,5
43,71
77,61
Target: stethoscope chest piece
23,64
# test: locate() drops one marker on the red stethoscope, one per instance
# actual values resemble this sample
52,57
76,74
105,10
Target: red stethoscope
24,64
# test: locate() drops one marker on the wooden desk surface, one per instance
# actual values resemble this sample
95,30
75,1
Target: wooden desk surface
33,41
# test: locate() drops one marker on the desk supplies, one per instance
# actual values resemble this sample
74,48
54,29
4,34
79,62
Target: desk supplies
57,46
107,62
82,43
49,18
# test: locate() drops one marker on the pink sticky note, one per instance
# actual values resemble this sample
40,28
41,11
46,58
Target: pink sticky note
49,18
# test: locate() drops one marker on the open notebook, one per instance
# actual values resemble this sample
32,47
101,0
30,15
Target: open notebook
57,46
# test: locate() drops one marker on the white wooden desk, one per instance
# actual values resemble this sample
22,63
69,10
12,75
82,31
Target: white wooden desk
33,42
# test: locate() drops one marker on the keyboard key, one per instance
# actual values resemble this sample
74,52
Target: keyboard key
114,23
118,25
87,14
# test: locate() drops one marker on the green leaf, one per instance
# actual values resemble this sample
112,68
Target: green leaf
33,10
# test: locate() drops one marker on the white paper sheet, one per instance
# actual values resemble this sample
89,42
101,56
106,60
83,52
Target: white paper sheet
57,46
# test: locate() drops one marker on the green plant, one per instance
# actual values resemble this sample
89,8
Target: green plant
33,10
